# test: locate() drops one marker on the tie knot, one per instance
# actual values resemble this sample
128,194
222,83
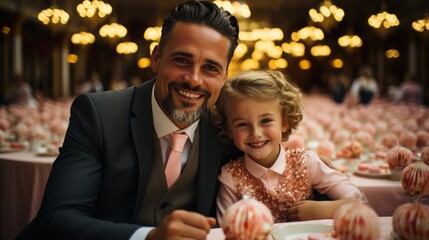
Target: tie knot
178,140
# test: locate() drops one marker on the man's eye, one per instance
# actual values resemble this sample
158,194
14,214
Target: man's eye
182,60
211,68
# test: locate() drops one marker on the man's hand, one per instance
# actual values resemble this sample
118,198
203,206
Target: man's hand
182,224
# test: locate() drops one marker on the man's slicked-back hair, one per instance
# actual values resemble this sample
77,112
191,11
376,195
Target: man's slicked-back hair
204,13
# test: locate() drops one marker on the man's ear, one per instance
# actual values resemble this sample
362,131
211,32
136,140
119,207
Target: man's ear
154,59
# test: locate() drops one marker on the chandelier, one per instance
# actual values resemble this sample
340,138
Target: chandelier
113,31
94,10
82,38
320,51
236,8
126,48
421,25
308,34
350,41
328,15
383,22
53,16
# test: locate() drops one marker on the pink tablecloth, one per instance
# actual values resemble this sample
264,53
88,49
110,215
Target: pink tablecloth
385,224
384,195
23,177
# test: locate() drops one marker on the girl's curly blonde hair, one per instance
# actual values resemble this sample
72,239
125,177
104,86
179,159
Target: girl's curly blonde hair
260,85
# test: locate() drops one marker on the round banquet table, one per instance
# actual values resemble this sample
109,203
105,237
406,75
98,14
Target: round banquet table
385,225
23,176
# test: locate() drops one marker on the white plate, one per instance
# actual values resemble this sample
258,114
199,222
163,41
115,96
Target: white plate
299,231
372,175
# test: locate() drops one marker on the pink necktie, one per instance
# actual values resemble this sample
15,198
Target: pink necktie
174,164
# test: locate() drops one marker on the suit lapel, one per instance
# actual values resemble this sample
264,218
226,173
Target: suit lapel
142,131
210,159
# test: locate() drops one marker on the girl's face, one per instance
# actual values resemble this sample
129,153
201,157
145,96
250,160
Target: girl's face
256,128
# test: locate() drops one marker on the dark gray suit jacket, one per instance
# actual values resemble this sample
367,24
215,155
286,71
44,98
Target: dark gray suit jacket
97,183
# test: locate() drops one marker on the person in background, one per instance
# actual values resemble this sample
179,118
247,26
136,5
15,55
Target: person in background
20,92
108,181
410,91
339,86
257,110
364,88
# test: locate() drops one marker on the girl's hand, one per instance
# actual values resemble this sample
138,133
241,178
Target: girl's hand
312,210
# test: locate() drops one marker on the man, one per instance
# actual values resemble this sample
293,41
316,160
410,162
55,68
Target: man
109,180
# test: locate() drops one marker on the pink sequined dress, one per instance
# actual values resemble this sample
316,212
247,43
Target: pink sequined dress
292,178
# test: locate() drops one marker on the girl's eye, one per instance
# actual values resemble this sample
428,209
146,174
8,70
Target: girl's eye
241,125
266,120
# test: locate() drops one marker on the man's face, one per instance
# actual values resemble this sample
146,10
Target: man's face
191,69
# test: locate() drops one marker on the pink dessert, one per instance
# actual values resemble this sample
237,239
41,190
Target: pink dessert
356,221
363,167
247,219
374,169
389,140
411,221
399,157
415,179
408,139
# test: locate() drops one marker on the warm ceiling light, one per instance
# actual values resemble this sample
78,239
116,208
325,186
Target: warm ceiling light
144,63
126,48
236,8
310,33
421,25
82,38
392,53
113,30
304,64
53,15
72,58
89,9
152,34
351,41
320,51
328,15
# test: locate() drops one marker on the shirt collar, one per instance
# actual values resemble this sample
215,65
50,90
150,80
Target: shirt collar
164,126
257,170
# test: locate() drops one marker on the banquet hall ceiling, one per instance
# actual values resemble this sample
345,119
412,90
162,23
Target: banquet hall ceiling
289,15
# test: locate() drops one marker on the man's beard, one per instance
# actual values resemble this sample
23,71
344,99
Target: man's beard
180,114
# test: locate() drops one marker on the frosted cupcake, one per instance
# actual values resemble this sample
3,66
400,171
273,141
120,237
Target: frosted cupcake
415,179
356,221
247,219
411,221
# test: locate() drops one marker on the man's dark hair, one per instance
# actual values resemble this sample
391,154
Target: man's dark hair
204,13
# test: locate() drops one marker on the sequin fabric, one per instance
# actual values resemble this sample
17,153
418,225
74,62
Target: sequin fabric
293,185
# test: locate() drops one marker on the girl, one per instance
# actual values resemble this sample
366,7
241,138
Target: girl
258,110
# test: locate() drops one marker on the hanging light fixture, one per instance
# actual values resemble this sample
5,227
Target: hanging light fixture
383,22
421,25
82,38
328,15
126,48
113,31
95,11
53,16
237,8
350,41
